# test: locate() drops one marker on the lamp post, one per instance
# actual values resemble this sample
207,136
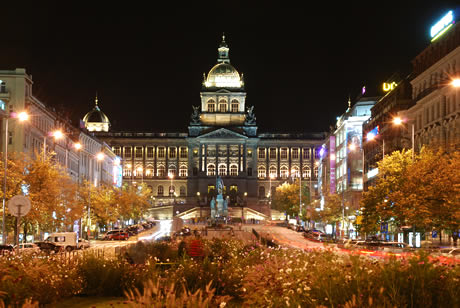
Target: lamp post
141,171
22,116
294,174
271,176
171,176
57,135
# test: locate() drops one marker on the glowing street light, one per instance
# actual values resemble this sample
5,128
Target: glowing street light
21,116
171,176
456,83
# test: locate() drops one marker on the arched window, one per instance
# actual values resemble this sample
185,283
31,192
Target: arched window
261,192
182,190
315,170
161,171
172,189
272,171
222,105
222,170
211,106
172,171
211,170
295,172
261,172
233,170
235,105
183,171
160,191
284,173
149,172
306,172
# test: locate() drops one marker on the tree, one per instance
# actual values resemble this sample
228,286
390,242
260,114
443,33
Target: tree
287,199
332,211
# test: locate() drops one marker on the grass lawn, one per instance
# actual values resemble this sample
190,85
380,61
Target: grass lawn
91,301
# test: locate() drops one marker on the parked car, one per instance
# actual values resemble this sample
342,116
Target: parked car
48,247
183,232
83,244
116,235
6,249
28,248
67,240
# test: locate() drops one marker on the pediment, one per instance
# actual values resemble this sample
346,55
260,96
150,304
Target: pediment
222,133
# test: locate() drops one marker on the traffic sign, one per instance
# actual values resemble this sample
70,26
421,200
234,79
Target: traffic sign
434,234
19,206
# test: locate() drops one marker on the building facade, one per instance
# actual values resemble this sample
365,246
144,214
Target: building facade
222,140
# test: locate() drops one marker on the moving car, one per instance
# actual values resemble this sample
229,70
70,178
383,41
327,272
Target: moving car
116,235
6,249
66,240
83,244
183,232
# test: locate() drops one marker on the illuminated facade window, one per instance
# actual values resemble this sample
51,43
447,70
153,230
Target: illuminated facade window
284,172
306,153
233,170
295,153
283,153
222,107
317,156
149,172
117,151
172,171
272,153
127,172
235,107
211,106
223,170
273,171
150,153
160,191
138,152
161,171
295,171
183,152
306,172
211,170
261,172
261,153
128,154
315,170
172,152
183,171
161,152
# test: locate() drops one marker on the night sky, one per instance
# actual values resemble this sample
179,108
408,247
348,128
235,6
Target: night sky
300,64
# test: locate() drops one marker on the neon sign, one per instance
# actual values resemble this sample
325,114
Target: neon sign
389,86
442,25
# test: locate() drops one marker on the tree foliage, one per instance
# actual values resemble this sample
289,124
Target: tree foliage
423,191
287,198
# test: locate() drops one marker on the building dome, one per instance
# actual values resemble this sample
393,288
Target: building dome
96,120
223,75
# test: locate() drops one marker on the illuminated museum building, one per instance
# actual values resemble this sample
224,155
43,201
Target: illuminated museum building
222,139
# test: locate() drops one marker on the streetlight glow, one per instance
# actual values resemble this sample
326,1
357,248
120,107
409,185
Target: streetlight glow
57,134
77,146
397,121
456,82
352,147
23,116
100,156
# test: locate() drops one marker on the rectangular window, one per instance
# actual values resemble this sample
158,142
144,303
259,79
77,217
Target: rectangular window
306,154
172,152
211,108
272,153
261,153
138,152
10,137
150,153
234,107
283,153
317,150
128,153
249,171
183,152
295,153
161,152
117,150
222,107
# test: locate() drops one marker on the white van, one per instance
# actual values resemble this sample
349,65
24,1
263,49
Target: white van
67,240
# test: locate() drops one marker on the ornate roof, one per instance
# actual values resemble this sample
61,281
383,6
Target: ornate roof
96,115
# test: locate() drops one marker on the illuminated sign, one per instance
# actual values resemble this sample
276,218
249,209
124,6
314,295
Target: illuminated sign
442,25
389,86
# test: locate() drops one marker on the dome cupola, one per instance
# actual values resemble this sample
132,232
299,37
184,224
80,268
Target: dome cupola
96,120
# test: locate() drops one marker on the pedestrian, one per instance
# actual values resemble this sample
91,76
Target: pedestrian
195,249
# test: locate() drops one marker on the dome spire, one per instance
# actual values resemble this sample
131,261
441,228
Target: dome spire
223,51
95,100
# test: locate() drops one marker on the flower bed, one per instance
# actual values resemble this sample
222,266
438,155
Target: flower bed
237,275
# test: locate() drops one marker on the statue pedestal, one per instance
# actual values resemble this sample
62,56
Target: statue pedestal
220,205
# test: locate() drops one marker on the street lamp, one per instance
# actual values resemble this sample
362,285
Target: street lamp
270,191
22,116
371,136
141,171
171,176
57,135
